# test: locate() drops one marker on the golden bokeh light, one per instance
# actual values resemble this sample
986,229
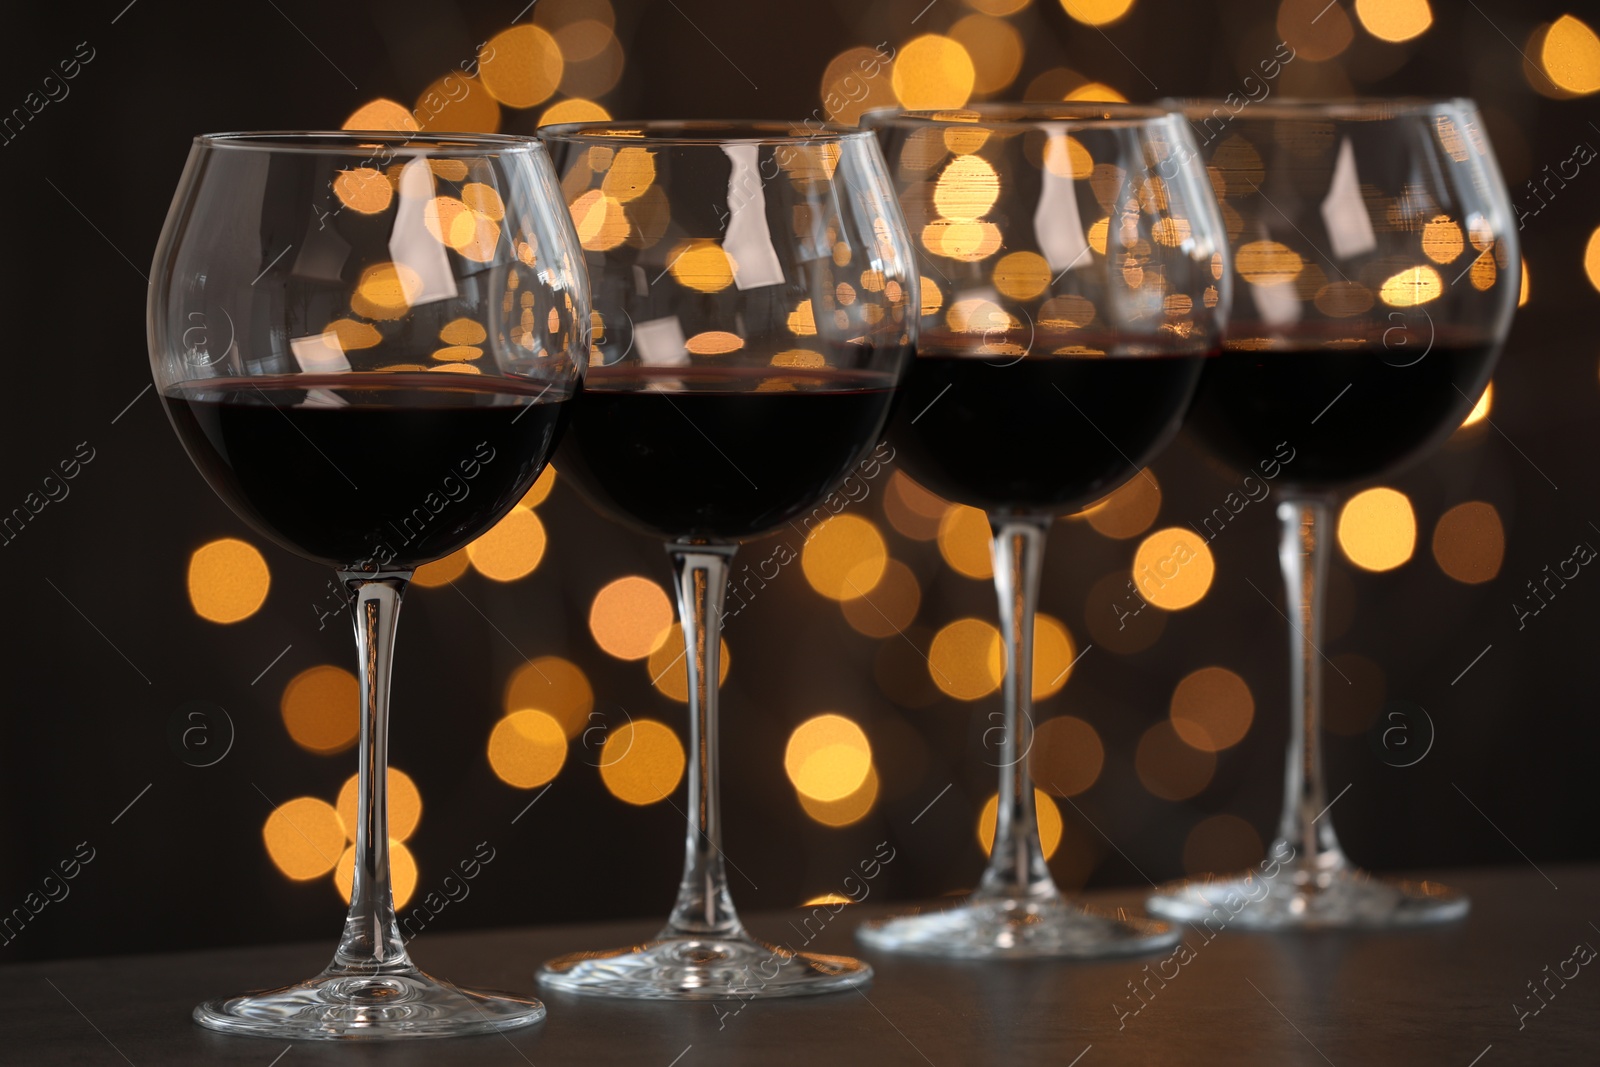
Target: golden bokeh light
554,685
1212,709
844,558
1570,56
1022,275
1394,20
1317,30
891,607
704,266
363,190
714,343
353,335
1053,654
1173,568
630,617
1169,768
540,489
631,172
574,110
402,872
463,332
642,762
933,71
912,510
527,748
1469,542
1045,812
995,48
1098,92
405,805
828,757
1591,258
511,549
385,291
669,669
1221,843
1268,263
1442,240
1127,511
967,188
1066,756
522,66
602,222
998,7
1481,409
1378,529
457,104
1522,293
381,114
305,837
846,810
1097,12
1413,286
964,659
441,571
228,580
964,541
321,709
856,80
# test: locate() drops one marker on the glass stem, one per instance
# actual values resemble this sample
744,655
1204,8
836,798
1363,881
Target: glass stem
704,907
1017,868
372,944
1306,827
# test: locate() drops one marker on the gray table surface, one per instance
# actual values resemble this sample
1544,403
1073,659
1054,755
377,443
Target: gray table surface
1445,996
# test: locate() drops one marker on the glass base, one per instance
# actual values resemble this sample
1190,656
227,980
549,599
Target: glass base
1018,929
1344,897
703,968
336,1006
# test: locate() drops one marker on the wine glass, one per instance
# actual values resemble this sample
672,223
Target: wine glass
1073,286
1377,272
367,343
755,306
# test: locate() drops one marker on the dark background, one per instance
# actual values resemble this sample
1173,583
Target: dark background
101,647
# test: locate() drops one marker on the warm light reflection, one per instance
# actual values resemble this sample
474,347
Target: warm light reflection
1570,56
527,748
1413,286
304,837
1480,410
1469,542
828,757
1378,529
540,488
933,71
321,709
848,809
522,66
1045,811
1591,258
228,580
1127,511
1394,20
405,804
963,659
574,110
402,872
1097,92
1173,568
669,671
511,549
642,762
381,114
630,617
1053,655
844,558
703,265
385,291
554,685
1212,709
364,190
441,571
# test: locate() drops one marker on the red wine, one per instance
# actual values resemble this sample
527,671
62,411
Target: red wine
1045,433
357,470
1347,414
720,454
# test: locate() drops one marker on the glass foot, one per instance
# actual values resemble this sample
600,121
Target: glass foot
1307,900
1018,929
340,1005
703,968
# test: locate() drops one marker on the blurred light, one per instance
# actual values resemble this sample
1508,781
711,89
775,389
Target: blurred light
1212,709
353,335
304,837
1480,410
848,809
968,187
1268,263
799,357
963,659
1394,20
1317,30
1169,768
703,265
228,580
458,353
441,571
522,66
511,549
964,539
1117,618
385,291
1173,568
1221,843
642,762
1416,285
1571,56
1442,240
1522,296
1591,258
714,343
631,172
1022,275
457,104
1045,812
602,222
933,71
321,709
1096,12
527,748
1129,510
891,607
856,81
1000,7
1066,756
462,332
381,114
995,48
364,190
1469,542
827,898
1096,92
554,685
669,670
1053,655
405,805
540,489
576,109
828,757
402,872
844,558
911,509
630,617
1378,529
583,38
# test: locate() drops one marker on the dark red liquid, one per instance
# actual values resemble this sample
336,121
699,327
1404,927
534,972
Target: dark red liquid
1346,414
408,468
1044,433
701,453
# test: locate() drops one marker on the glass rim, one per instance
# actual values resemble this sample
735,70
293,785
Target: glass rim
681,132
366,142
1024,116
1309,107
